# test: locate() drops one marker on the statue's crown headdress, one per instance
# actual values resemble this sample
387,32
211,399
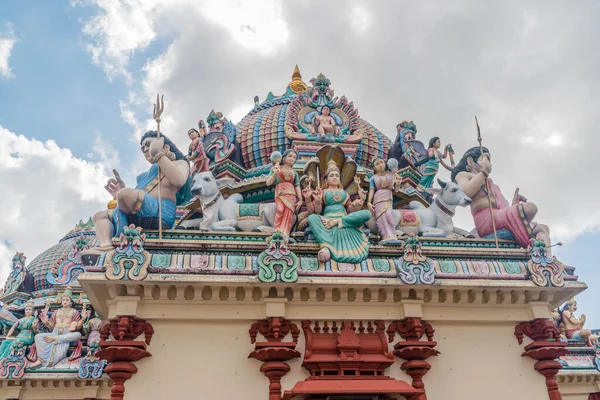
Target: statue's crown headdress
331,166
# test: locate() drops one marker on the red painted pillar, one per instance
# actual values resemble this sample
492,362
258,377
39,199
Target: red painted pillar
544,350
274,352
123,350
414,350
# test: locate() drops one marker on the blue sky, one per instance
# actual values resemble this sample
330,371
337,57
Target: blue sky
85,74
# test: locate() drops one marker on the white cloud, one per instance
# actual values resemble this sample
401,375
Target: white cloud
527,72
46,191
7,42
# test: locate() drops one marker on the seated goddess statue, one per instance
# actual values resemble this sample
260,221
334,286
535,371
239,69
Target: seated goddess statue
65,323
27,326
338,230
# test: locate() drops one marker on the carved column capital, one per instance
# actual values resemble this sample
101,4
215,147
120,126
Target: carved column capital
123,350
274,351
545,349
412,349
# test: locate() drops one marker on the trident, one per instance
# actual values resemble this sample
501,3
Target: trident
159,106
487,185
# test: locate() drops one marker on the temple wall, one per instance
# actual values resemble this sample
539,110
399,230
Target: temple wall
189,358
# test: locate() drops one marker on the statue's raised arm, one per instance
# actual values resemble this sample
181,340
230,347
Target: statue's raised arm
140,205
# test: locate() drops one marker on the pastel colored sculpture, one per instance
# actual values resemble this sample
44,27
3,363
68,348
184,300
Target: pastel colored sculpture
513,220
316,116
288,197
65,324
381,196
92,328
573,326
338,229
435,158
406,149
27,327
432,221
543,269
220,142
220,214
17,276
196,155
139,205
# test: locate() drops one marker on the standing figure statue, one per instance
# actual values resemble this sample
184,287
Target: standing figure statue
574,326
141,204
196,155
513,220
27,327
435,158
92,328
338,230
65,324
288,196
380,201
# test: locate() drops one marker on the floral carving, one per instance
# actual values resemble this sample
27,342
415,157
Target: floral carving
91,366
13,366
129,261
414,267
543,269
277,262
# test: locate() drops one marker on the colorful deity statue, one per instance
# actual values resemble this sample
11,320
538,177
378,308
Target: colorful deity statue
196,155
220,142
380,201
573,326
435,158
288,196
406,149
92,328
139,205
335,219
65,324
17,275
325,126
27,327
513,220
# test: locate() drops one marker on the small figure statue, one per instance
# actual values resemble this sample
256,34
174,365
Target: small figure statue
288,196
196,155
435,158
573,326
142,202
380,201
17,276
338,230
325,124
65,324
514,220
27,327
92,328
408,151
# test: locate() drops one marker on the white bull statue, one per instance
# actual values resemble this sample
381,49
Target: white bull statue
220,214
432,221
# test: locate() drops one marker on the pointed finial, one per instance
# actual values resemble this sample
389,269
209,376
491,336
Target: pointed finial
297,84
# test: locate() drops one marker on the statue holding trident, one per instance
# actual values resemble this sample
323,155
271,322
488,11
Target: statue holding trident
492,213
153,202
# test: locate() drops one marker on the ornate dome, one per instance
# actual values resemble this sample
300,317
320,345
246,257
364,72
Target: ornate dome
64,253
280,120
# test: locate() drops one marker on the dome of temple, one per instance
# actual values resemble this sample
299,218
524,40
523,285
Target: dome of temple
39,267
263,130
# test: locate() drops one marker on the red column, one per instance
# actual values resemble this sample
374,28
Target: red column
123,350
544,350
274,352
414,350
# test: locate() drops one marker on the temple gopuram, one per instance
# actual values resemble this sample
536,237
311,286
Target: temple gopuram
300,254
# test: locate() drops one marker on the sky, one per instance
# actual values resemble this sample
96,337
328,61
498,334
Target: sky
78,79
